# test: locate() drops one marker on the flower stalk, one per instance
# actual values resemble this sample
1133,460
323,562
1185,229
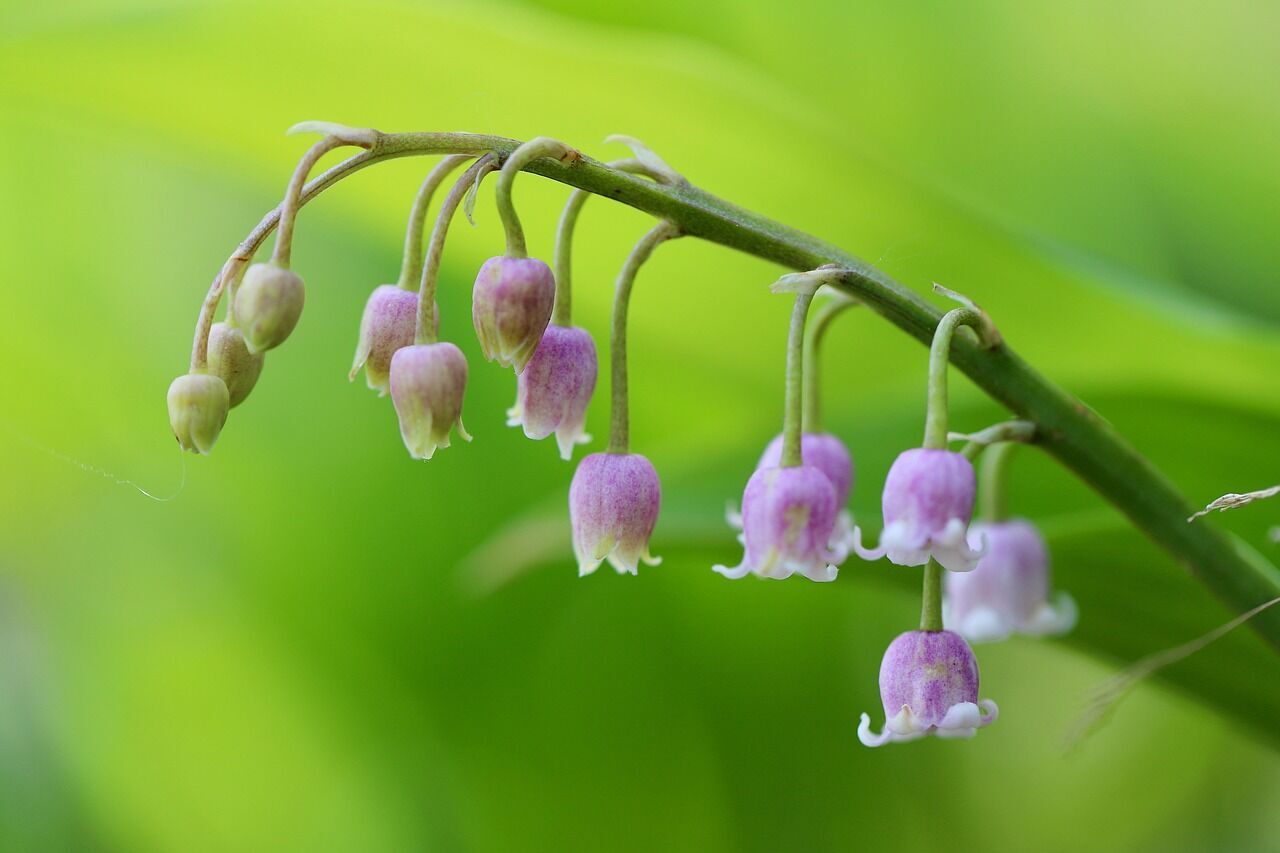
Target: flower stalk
414,247
619,414
425,330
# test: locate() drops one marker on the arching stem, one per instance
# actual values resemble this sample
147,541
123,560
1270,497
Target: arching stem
563,313
792,416
619,420
532,150
992,491
414,248
425,330
935,424
812,363
292,198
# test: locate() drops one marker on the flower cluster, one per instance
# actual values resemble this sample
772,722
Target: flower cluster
794,519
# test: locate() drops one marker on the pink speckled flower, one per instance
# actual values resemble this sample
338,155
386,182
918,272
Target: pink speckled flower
829,455
427,385
929,686
511,306
927,501
388,324
788,521
1008,592
553,391
613,505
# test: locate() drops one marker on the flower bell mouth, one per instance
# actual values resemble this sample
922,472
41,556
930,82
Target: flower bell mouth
614,502
788,526
1009,590
928,502
928,686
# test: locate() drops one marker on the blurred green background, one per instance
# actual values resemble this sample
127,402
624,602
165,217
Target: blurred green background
321,645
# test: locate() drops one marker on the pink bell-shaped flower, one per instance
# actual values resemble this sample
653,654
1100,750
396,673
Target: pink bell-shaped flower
613,506
788,524
1008,591
388,324
427,385
928,502
929,686
829,455
553,391
511,307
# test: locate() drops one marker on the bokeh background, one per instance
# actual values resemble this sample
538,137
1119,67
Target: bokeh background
321,645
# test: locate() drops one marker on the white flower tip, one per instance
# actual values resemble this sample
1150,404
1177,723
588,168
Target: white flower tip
732,516
865,735
732,574
870,554
982,625
365,137
1053,619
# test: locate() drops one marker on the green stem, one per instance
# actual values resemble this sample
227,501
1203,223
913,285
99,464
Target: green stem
935,422
1067,429
414,249
517,161
813,364
992,490
794,413
931,598
293,198
425,330
563,313
619,418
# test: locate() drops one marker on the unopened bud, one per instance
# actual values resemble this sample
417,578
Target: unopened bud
511,306
268,304
198,406
231,361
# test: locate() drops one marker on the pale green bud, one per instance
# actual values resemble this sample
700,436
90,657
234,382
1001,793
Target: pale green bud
231,361
268,304
198,406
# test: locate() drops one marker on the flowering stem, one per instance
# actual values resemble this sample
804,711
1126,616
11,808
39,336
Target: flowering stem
792,417
411,264
992,491
931,600
1066,428
813,342
563,314
619,420
293,198
516,162
425,330
935,423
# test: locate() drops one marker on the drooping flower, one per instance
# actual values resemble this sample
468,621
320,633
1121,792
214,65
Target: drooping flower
927,502
1008,592
788,522
553,391
388,324
613,505
511,307
268,305
928,686
198,406
427,385
829,455
231,361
